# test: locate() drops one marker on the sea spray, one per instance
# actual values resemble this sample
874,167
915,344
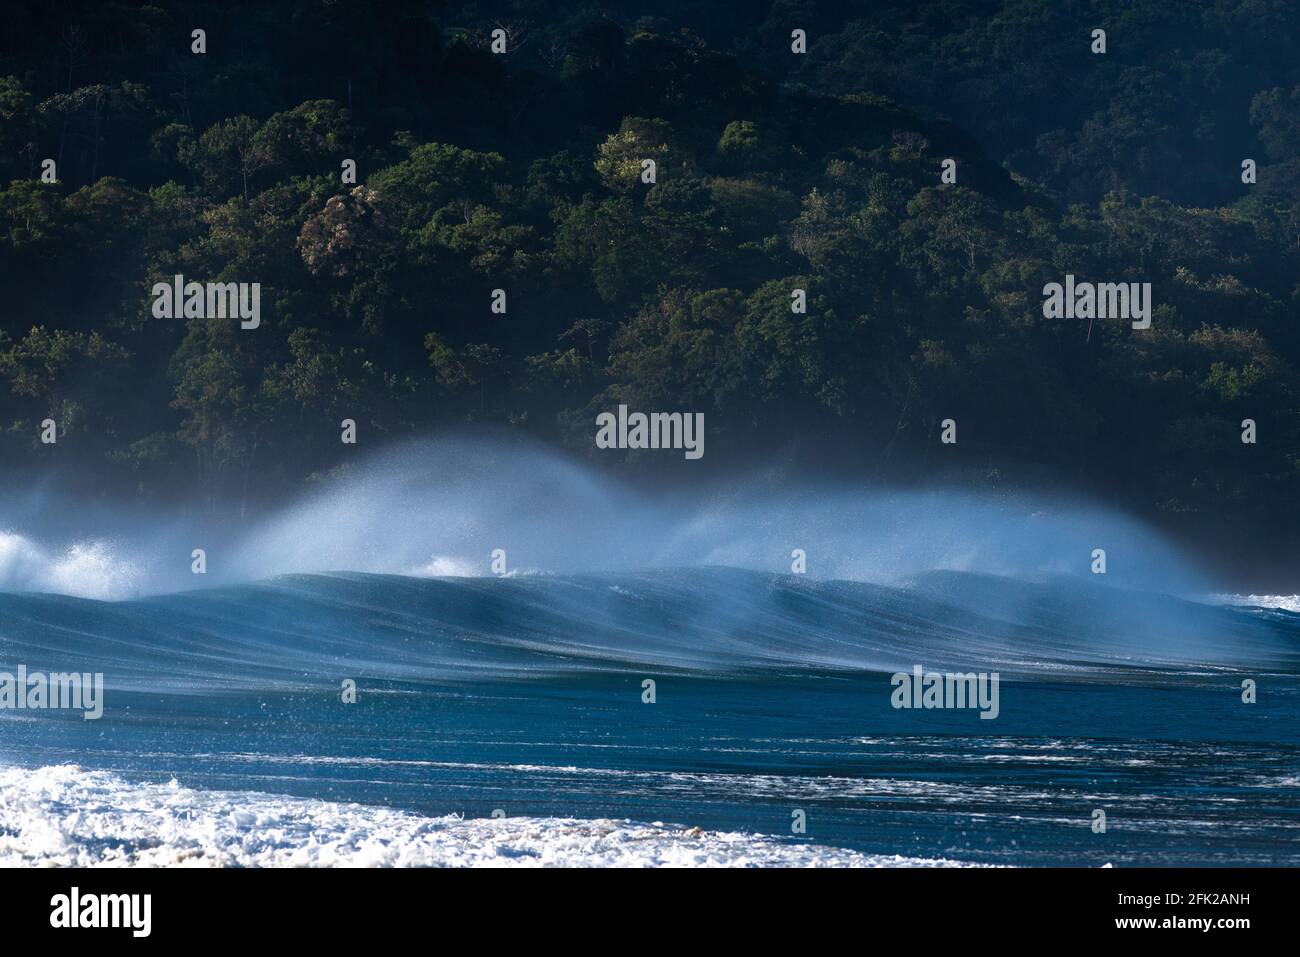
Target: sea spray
444,507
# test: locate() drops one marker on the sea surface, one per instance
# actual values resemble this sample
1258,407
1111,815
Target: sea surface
504,720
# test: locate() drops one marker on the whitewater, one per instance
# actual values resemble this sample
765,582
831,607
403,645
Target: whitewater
503,719
67,816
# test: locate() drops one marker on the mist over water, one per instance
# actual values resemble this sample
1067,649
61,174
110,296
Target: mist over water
524,692
440,507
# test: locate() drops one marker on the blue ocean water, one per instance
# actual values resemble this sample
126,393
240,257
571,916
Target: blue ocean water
772,696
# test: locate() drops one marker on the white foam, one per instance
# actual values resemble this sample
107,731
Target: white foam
87,569
67,816
1284,602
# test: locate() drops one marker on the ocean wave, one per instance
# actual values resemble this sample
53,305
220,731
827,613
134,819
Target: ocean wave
312,631
67,816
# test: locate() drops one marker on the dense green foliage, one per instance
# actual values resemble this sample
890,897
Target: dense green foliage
775,171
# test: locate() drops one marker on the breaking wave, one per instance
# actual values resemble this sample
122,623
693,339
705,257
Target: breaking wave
305,631
68,816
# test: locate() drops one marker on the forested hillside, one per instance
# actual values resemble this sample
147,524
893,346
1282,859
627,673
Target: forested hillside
775,171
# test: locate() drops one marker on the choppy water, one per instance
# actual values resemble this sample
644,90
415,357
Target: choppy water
524,696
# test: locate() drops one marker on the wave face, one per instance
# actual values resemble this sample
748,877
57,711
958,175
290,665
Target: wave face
310,631
525,694
225,738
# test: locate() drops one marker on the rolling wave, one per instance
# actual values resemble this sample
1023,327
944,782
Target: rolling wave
310,631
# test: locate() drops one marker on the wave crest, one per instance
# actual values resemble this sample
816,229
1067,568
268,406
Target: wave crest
87,569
